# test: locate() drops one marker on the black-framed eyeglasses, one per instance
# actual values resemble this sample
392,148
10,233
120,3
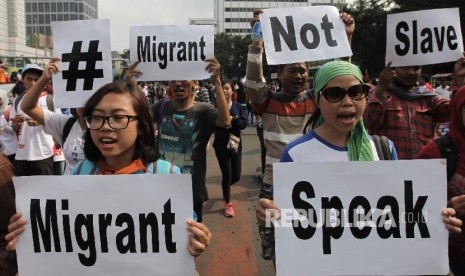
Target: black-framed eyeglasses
335,94
116,122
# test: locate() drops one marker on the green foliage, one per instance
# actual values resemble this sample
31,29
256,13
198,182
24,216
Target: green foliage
231,52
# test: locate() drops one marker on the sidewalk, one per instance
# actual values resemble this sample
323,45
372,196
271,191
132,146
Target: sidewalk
235,247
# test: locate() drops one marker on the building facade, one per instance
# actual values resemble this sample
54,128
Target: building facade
39,13
13,32
233,16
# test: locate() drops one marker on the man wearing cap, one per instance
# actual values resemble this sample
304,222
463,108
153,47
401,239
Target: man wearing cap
35,148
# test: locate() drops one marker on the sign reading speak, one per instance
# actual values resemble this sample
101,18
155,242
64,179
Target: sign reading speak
423,37
104,225
171,52
361,218
303,34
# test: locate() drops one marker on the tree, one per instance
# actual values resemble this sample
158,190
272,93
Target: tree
369,39
231,51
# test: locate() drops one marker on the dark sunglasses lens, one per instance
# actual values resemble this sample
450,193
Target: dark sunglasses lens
334,94
358,92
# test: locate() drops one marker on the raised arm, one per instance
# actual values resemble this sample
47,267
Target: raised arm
223,119
31,98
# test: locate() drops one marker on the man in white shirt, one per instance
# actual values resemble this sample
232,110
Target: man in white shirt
35,148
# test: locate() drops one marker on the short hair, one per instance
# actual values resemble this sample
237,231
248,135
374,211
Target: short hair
146,148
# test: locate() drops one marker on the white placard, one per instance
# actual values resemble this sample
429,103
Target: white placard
423,37
171,52
399,193
303,34
85,52
96,225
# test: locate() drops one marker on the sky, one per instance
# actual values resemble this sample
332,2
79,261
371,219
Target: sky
126,13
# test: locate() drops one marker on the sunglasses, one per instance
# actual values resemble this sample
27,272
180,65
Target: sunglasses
335,94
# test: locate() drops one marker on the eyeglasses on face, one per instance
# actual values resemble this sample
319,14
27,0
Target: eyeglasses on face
116,122
335,94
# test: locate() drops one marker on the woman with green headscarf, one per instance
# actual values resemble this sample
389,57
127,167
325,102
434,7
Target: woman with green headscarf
337,131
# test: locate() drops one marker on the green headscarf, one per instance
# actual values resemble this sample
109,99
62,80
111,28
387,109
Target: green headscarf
359,146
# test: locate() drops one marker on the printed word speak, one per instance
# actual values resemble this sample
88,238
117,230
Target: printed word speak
413,213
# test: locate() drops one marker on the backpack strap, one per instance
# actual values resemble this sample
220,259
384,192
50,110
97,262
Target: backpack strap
382,147
85,167
17,101
67,129
385,147
162,167
161,108
447,149
377,142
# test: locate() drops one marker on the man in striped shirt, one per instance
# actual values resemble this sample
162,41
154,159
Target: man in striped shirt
284,113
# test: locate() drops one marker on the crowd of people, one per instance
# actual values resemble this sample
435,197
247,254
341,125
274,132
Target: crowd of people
130,127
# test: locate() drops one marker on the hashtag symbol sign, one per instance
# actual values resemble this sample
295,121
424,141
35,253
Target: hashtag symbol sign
89,73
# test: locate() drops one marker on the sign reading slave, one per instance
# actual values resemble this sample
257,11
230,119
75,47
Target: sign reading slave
171,52
360,218
105,225
85,52
423,37
303,34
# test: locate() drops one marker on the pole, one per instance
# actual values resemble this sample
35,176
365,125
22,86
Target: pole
36,37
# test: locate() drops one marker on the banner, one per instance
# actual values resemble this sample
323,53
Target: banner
423,37
104,225
303,34
361,218
86,65
171,52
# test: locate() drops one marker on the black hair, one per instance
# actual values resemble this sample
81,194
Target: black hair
146,148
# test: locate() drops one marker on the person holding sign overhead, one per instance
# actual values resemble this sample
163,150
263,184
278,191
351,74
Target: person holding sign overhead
68,131
120,140
185,127
283,114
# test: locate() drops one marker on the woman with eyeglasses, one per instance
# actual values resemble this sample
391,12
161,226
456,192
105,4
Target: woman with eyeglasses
337,131
120,140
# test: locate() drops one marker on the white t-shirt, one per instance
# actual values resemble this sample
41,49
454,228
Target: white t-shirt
443,92
312,148
8,137
73,149
33,143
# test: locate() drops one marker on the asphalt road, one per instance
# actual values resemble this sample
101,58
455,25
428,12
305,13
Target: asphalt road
235,247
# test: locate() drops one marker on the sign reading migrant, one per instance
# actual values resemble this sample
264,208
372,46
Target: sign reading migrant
303,34
423,37
105,225
171,52
361,218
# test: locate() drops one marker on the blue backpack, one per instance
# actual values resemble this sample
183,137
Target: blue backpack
87,167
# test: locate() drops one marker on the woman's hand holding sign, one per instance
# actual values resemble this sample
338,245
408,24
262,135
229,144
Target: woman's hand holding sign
15,228
200,238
